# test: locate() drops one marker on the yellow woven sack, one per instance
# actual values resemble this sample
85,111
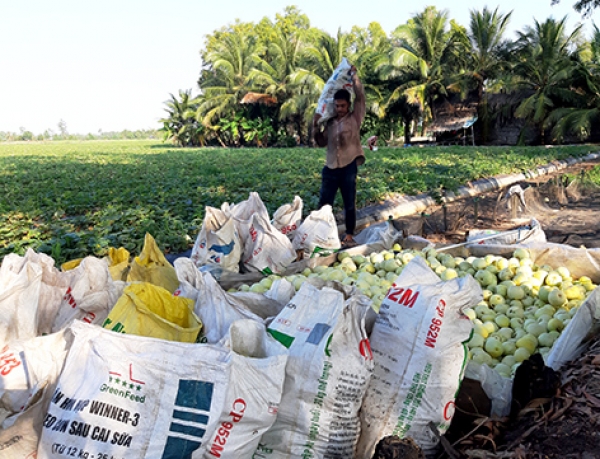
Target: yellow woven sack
71,264
118,263
152,266
148,310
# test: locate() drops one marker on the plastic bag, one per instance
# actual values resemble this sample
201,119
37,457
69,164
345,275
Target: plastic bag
318,232
340,79
145,309
218,242
420,357
383,232
152,266
52,289
20,285
288,217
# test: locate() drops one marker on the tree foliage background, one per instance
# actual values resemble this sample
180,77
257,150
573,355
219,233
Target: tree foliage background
260,82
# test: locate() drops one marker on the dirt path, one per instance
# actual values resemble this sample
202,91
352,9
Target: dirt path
568,214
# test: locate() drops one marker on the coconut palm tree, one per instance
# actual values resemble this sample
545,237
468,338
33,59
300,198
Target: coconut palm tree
370,49
584,115
320,55
486,34
420,59
324,53
270,74
181,125
230,56
274,74
545,66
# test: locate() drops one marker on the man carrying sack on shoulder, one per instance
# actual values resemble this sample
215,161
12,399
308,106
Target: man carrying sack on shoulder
341,136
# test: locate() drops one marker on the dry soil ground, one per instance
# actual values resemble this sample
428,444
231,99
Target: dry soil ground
568,213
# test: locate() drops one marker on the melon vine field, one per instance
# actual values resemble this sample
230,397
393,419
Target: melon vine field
72,199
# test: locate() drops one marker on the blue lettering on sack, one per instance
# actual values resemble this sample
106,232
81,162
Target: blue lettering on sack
317,333
193,400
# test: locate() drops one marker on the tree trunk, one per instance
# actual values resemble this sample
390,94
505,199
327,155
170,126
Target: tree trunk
299,127
221,140
407,131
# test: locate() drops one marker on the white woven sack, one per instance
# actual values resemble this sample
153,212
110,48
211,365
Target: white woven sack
31,291
328,370
218,242
134,397
20,286
242,213
288,217
208,294
54,285
29,371
340,79
417,343
218,309
266,250
20,434
318,232
26,367
524,235
91,294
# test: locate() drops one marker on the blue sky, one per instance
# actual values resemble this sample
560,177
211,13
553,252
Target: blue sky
111,64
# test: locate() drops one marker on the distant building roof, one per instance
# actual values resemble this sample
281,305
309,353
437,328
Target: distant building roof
452,114
258,98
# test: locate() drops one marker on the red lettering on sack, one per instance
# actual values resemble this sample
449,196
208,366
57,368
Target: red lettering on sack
253,234
8,362
365,349
441,307
288,229
224,430
449,410
404,297
255,253
69,298
433,332
89,317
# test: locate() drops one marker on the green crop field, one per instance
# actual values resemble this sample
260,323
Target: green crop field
71,199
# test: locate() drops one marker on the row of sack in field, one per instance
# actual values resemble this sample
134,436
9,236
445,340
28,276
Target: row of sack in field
243,234
284,374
